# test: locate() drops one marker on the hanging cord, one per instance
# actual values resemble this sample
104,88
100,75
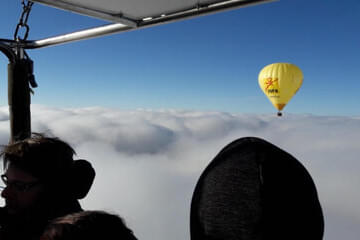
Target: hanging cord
23,21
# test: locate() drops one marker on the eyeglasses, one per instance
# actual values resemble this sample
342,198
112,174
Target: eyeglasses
18,185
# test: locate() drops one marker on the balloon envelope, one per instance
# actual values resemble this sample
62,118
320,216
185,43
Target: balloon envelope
280,82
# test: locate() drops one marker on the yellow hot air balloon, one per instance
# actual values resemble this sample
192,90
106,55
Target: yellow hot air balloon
280,82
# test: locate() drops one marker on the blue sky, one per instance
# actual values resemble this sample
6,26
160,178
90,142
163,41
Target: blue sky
200,65
209,63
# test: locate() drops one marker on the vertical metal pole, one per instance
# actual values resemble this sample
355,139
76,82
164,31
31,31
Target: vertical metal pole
19,99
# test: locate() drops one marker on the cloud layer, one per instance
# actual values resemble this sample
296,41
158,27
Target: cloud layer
148,162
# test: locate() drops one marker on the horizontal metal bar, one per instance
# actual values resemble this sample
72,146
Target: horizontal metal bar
118,27
77,36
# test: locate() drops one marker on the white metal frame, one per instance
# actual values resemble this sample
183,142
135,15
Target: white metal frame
124,23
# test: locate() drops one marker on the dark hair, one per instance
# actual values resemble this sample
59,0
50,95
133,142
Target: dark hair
41,156
51,161
88,225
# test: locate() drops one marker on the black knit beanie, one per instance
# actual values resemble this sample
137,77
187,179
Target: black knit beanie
253,190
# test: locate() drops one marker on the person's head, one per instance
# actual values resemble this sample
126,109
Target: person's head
254,190
38,168
89,225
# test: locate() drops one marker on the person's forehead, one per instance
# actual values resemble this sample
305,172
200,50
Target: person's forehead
14,173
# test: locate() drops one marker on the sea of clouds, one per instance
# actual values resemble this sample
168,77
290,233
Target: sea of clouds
148,161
